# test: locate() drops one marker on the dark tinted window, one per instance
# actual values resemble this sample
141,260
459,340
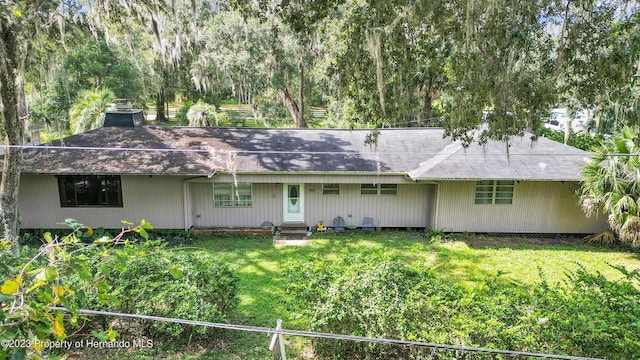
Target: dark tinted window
90,190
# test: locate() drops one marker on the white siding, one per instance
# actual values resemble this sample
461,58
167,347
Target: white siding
158,199
267,206
538,207
412,207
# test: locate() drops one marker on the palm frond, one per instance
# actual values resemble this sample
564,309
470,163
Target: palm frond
611,183
604,237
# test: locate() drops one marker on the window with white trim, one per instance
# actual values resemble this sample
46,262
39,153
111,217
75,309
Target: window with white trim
230,195
330,189
378,189
494,192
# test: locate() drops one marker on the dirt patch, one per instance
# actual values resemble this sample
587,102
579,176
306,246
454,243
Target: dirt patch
234,231
480,241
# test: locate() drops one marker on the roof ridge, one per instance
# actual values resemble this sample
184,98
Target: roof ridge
437,159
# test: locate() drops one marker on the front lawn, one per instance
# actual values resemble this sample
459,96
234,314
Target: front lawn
467,260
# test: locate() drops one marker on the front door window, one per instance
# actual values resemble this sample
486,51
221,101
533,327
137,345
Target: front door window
294,199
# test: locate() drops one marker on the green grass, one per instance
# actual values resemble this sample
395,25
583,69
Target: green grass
469,260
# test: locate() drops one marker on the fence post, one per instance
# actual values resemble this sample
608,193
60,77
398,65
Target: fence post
277,343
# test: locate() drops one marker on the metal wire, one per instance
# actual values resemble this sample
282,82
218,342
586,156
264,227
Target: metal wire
312,334
277,152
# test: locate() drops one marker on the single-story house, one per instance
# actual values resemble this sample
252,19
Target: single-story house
183,177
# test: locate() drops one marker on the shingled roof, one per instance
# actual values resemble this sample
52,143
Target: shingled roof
423,154
521,159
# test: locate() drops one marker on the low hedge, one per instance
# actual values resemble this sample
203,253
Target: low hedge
379,297
176,285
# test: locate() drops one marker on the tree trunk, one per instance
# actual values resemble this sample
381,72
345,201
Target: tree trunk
11,76
427,111
293,108
301,94
567,130
160,101
598,119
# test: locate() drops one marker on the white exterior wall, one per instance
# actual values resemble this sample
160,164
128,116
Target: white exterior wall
266,200
158,199
538,207
412,207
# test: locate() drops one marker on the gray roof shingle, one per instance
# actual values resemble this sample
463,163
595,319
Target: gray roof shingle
522,159
422,153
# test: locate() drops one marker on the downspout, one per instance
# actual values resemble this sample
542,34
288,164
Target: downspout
186,201
436,217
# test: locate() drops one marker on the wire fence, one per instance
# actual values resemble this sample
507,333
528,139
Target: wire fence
289,152
277,342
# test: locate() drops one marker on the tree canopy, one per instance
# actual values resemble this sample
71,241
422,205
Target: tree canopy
481,69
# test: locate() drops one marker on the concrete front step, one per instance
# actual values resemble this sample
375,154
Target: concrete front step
291,241
295,229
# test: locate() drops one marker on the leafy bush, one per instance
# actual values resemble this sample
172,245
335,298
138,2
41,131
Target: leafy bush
270,106
376,298
581,140
177,285
171,237
593,316
90,269
61,272
181,115
436,236
202,114
383,298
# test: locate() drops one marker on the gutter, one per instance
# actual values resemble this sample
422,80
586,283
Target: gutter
418,181
328,173
436,180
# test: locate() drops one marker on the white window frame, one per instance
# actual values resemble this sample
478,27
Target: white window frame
330,189
234,195
494,192
379,189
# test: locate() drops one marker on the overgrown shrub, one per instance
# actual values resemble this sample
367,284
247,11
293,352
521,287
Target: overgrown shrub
170,237
176,285
592,316
376,298
59,273
385,298
270,106
581,140
202,114
181,115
